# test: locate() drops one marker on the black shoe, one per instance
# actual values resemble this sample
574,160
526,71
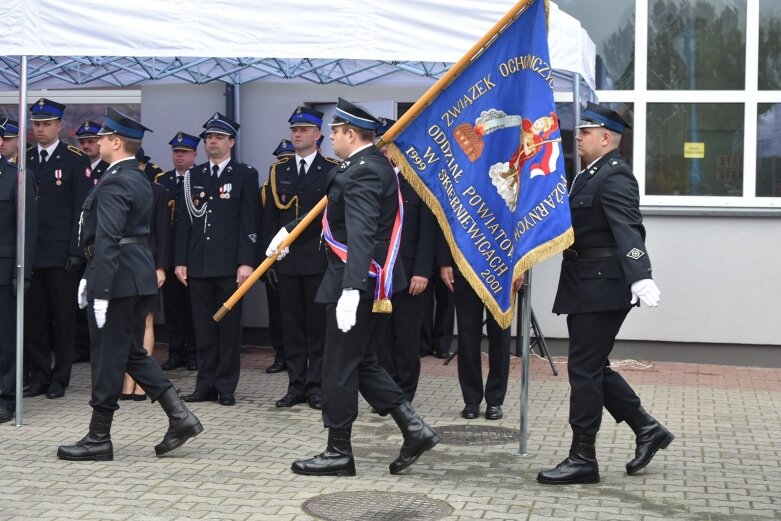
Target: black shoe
56,390
441,354
171,364
650,436
35,389
579,467
6,413
126,396
418,437
289,400
227,399
96,445
471,411
182,424
139,397
335,460
277,367
192,366
494,412
198,396
315,402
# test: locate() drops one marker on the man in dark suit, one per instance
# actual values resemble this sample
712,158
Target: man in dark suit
283,152
297,183
9,148
603,275
176,297
62,179
8,282
361,231
119,287
215,253
399,351
87,135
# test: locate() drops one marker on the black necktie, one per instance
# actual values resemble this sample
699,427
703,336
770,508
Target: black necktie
44,155
216,171
179,179
302,168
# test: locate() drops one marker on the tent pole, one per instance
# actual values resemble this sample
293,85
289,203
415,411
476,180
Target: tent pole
526,314
20,236
576,117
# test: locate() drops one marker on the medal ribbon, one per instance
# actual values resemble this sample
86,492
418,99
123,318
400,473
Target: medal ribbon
384,274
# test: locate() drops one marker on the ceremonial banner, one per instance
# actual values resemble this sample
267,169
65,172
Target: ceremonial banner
485,154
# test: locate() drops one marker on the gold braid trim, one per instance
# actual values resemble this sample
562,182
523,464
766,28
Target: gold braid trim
263,194
538,254
272,181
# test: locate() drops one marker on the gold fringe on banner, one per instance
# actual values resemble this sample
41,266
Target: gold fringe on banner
538,254
382,306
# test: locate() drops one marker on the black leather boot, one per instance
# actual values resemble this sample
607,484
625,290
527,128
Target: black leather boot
579,467
418,437
335,460
182,424
650,436
96,445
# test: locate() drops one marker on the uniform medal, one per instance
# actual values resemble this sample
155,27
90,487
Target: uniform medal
226,189
58,177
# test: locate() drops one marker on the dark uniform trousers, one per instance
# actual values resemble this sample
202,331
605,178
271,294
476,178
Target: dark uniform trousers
7,343
219,343
275,323
53,286
178,318
303,332
400,347
350,366
118,348
592,382
439,317
176,296
469,317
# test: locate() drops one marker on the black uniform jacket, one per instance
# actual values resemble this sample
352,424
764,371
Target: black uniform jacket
362,206
175,207
8,190
605,208
61,185
291,198
418,236
225,236
119,207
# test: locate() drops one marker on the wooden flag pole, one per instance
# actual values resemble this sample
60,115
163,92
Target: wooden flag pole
266,264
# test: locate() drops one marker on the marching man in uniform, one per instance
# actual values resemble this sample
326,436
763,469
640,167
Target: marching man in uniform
603,275
119,287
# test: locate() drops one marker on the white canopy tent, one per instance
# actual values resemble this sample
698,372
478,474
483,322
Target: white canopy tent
53,44
238,41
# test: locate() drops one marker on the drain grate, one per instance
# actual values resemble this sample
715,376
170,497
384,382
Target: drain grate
466,435
376,506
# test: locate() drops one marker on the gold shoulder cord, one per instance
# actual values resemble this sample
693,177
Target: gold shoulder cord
272,181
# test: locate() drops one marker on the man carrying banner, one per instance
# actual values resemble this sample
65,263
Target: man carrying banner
363,217
604,274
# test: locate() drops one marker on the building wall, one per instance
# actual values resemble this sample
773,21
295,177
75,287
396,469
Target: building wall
718,275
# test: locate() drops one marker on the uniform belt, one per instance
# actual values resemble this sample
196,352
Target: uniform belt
588,253
89,251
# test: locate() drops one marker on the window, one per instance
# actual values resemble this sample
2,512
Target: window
696,44
694,149
769,150
611,25
769,45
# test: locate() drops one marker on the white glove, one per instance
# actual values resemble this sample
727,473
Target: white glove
273,246
346,309
101,308
647,291
81,296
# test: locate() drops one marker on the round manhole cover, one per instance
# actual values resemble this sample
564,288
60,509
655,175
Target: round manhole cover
466,435
376,506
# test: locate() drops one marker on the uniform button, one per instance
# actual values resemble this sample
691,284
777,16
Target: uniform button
207,238
209,225
599,273
210,211
211,197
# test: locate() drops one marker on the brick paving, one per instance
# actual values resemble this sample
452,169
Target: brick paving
724,464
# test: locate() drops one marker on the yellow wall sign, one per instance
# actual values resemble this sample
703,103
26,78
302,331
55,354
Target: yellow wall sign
694,150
